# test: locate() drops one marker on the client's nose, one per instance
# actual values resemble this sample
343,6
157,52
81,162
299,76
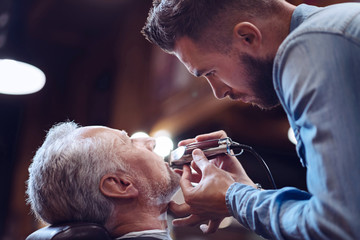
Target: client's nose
150,143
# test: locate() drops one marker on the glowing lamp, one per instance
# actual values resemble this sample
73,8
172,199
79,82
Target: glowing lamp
19,78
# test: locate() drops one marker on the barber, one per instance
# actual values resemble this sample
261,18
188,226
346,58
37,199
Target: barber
270,52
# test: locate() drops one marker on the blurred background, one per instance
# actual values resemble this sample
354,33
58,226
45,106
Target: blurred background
100,70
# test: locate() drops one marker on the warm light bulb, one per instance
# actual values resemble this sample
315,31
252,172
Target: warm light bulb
140,135
164,145
18,78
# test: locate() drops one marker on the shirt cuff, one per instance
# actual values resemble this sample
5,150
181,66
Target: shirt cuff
227,196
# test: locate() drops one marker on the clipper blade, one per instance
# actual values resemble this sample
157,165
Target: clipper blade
211,148
177,157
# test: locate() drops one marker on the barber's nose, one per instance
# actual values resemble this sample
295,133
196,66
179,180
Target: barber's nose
217,89
218,93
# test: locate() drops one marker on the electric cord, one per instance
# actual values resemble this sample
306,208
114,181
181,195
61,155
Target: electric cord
243,147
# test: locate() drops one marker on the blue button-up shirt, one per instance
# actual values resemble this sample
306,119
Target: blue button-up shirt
317,79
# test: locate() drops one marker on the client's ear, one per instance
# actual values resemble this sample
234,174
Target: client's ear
116,186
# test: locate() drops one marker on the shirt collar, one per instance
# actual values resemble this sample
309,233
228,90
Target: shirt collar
301,12
155,233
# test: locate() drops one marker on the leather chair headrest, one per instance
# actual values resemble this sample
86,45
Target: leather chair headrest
71,231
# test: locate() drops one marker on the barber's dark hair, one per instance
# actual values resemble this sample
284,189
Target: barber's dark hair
210,21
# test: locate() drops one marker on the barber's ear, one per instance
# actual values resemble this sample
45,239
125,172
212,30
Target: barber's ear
247,34
116,186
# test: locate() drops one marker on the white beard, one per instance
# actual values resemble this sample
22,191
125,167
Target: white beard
160,192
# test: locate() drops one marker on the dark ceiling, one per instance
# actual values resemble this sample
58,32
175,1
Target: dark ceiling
100,70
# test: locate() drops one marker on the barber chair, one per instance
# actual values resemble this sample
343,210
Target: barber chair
71,231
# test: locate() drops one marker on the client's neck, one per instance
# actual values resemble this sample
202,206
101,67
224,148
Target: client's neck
139,218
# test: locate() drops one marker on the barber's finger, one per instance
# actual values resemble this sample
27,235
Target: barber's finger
195,167
185,181
212,226
186,141
179,171
180,210
199,159
213,135
191,220
195,177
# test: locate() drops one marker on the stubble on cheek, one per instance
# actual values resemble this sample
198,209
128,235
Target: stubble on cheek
259,72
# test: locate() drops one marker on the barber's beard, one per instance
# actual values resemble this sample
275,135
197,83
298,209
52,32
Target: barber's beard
260,80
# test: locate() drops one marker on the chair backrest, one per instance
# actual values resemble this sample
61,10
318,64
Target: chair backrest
71,231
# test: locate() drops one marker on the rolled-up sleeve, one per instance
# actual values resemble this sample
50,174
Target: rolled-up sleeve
261,211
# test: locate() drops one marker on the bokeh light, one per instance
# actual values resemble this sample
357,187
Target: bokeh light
18,78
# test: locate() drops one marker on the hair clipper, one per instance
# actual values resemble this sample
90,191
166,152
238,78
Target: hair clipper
211,149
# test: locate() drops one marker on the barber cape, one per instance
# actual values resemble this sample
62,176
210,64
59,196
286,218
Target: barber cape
146,235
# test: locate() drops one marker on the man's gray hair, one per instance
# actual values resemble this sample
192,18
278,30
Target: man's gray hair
64,176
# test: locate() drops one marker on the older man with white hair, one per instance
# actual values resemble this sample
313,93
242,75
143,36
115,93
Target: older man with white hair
101,175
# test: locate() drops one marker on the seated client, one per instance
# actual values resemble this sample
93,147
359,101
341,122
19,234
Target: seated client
100,175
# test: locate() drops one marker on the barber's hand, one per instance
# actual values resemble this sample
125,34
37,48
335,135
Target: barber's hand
225,162
206,201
